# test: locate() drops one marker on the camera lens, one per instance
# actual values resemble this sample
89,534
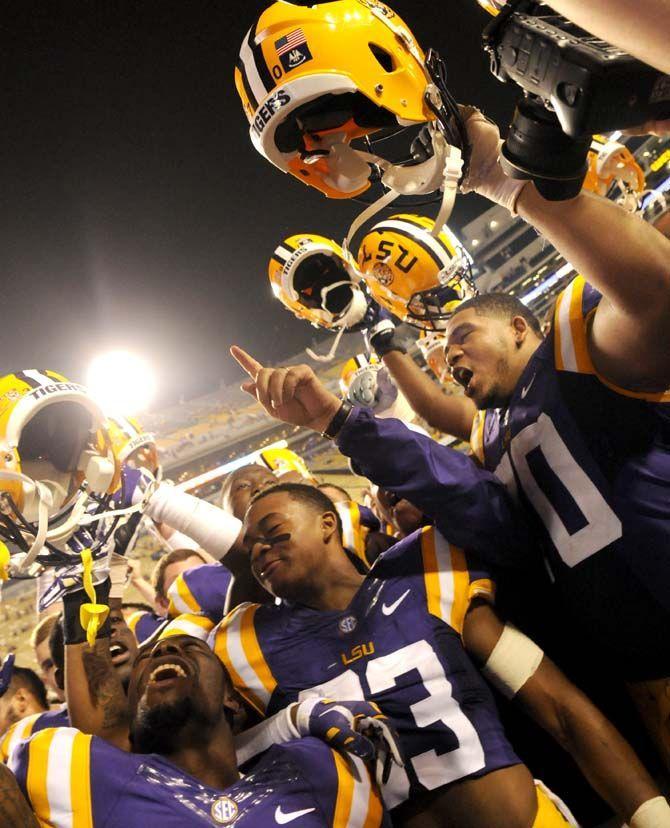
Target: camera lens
536,148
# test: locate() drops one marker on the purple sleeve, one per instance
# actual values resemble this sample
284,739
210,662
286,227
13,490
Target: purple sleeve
209,586
469,505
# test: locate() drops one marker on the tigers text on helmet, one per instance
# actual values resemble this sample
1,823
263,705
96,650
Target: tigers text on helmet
132,445
312,79
55,458
419,276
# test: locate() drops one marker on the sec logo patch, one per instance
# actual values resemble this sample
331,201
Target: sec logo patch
347,624
224,810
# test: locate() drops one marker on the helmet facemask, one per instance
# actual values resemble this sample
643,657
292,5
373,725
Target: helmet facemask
430,309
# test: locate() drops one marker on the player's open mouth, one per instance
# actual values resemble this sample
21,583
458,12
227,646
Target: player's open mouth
463,376
167,672
119,653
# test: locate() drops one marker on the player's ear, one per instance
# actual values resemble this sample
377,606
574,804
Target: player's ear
59,678
328,525
520,328
20,702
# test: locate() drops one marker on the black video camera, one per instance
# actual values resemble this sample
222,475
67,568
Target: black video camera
575,86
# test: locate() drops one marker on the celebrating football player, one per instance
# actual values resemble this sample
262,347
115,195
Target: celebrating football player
398,637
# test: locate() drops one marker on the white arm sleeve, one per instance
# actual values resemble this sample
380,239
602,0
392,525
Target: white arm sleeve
514,659
178,540
276,730
211,528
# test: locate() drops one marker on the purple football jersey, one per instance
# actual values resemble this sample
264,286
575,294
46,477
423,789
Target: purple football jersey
71,778
590,464
397,644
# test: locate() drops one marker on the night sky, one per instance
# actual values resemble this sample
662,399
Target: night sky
135,212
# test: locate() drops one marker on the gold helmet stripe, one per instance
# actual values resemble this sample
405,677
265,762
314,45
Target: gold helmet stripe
432,246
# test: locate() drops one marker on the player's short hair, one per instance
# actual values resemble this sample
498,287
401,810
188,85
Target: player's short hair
309,495
337,488
502,306
138,606
23,678
57,643
174,556
42,631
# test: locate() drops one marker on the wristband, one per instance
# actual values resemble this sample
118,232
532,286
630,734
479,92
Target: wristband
335,425
654,813
276,730
73,632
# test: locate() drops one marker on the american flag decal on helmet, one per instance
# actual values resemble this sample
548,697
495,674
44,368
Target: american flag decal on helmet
292,49
290,41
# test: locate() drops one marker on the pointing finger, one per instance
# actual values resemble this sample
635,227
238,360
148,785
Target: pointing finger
245,361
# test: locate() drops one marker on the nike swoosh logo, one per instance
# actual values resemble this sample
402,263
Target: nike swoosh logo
389,610
525,390
283,819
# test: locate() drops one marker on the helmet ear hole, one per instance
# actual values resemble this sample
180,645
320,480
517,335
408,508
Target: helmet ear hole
384,58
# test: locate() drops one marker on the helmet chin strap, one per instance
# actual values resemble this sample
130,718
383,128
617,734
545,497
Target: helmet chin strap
44,504
442,171
59,535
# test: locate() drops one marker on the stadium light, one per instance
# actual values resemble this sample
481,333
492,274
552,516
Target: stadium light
121,382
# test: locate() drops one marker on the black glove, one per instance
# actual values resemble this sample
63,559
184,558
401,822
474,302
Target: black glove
383,338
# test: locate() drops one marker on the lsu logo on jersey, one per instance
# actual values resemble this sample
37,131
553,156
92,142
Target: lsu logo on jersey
358,652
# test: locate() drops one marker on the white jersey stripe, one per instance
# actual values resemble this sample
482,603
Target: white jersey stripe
182,626
360,800
239,660
253,78
420,235
445,576
177,601
59,777
567,345
22,730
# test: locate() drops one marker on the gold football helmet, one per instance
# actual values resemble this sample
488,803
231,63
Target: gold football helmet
314,78
419,277
55,454
431,344
283,460
314,278
493,7
132,445
611,162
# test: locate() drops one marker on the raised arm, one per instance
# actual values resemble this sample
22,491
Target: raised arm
641,28
519,669
469,505
623,257
449,414
95,698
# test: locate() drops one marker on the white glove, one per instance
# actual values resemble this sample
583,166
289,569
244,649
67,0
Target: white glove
485,175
